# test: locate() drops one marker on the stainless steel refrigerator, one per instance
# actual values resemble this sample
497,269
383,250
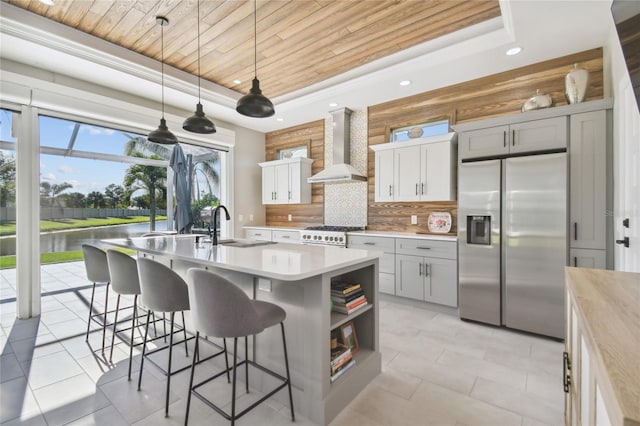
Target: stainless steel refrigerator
512,233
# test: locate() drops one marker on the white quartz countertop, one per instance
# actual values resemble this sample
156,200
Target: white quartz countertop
396,234
282,261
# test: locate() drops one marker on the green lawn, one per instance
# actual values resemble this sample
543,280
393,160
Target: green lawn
55,225
57,257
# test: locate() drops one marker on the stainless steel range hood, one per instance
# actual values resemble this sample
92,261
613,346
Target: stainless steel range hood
341,171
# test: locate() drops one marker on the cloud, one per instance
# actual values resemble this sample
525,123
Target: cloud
98,130
74,182
65,169
48,176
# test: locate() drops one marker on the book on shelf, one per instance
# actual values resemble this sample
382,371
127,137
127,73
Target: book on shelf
345,298
340,288
342,363
343,370
339,353
350,304
345,310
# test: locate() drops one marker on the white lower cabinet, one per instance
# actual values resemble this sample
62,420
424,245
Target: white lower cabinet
587,258
387,261
427,278
258,234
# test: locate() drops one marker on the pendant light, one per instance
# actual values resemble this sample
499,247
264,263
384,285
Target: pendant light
255,104
198,122
162,134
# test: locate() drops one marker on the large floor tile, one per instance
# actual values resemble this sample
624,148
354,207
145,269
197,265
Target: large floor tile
50,369
107,416
17,401
9,368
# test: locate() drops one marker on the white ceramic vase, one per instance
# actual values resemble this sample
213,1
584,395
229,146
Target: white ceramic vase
576,83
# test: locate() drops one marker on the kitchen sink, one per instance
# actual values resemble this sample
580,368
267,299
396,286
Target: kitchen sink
243,243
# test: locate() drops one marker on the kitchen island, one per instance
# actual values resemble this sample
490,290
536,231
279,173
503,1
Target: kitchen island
297,277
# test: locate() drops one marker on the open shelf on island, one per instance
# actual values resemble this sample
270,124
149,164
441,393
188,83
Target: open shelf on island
337,319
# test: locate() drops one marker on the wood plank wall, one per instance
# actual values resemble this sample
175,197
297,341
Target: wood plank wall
303,215
495,95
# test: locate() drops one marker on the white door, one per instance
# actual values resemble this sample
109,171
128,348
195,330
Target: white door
407,173
268,185
294,183
282,184
435,172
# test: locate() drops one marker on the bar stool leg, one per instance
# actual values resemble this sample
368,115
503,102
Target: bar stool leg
233,386
286,364
193,369
133,327
184,329
166,404
115,323
104,323
246,364
226,359
144,346
93,293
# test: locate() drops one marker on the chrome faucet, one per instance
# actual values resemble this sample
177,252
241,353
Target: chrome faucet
214,223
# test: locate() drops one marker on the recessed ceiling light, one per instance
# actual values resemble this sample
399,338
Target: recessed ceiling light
405,82
237,81
333,104
279,119
47,2
514,51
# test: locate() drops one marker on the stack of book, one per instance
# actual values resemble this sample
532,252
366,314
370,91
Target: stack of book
341,361
347,298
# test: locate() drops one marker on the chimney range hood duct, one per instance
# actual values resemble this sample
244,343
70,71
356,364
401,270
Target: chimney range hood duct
341,171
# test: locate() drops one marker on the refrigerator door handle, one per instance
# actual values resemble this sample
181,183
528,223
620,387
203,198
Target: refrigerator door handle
575,231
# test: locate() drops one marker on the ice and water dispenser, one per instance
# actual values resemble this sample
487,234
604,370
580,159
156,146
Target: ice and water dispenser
479,230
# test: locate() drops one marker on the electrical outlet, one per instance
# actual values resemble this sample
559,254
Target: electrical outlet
289,218
240,218
414,219
250,218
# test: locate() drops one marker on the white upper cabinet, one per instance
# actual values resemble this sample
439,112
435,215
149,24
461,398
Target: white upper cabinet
417,170
528,136
285,181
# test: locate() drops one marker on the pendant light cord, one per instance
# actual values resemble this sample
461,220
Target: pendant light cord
255,38
198,26
162,62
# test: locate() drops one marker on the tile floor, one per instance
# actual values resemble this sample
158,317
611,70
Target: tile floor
437,370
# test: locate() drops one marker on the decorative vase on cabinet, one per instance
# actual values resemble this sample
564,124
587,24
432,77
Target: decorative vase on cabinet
576,83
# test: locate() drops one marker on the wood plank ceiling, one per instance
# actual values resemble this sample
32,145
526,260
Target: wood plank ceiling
300,42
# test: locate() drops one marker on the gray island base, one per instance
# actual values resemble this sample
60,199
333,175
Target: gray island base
298,278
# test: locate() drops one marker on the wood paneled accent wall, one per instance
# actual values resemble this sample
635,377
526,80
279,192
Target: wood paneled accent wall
303,215
495,95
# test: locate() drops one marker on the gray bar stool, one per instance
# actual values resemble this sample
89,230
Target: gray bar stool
221,309
123,270
163,290
95,262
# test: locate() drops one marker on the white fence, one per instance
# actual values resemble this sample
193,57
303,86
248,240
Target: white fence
8,214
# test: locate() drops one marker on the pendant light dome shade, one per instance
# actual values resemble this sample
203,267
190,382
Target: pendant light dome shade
255,104
198,122
162,134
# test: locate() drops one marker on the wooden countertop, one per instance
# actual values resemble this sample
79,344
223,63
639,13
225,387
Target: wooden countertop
608,304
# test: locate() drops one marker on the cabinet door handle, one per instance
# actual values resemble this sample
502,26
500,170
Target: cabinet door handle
566,367
289,194
423,188
575,261
389,190
513,138
423,248
286,236
416,189
504,139
419,269
426,269
257,234
369,243
575,230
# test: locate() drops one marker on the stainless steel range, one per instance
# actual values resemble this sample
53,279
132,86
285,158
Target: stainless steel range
327,235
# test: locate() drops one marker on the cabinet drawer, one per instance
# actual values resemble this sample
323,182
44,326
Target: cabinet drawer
366,242
285,236
388,263
259,234
431,248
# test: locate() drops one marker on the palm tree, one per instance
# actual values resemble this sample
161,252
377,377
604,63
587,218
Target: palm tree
152,179
51,192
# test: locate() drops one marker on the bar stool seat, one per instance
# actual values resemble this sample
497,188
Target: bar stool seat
221,309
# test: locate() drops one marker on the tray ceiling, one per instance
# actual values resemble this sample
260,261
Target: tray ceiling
300,42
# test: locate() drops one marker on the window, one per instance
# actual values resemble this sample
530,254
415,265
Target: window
420,131
295,152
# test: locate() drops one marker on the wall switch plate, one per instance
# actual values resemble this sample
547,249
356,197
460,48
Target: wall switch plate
414,219
240,218
264,284
250,218
289,218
